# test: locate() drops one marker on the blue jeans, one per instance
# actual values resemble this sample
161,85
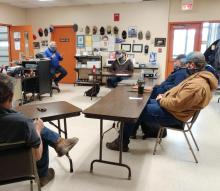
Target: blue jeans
49,138
58,69
112,82
153,116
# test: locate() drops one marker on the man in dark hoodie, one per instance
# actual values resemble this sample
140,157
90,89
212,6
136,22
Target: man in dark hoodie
15,127
178,104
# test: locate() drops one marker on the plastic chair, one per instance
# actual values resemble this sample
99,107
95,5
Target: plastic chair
184,129
17,163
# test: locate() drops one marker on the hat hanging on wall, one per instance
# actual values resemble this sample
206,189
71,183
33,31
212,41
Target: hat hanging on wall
94,30
140,35
124,34
87,30
34,37
75,27
115,30
147,35
45,32
102,31
109,29
40,32
51,28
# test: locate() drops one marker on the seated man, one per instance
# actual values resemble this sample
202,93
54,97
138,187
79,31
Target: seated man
178,75
55,58
120,65
15,127
178,104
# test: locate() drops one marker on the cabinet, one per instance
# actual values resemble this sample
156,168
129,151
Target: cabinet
40,82
84,68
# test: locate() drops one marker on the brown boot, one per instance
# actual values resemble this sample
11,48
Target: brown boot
45,180
63,146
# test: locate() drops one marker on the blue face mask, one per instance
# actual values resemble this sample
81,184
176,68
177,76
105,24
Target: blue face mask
53,49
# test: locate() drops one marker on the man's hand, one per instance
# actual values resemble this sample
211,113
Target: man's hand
160,96
39,124
53,55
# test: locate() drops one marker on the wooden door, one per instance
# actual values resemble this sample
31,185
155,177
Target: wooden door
21,42
183,39
65,38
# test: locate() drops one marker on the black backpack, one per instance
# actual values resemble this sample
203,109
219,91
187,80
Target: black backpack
93,91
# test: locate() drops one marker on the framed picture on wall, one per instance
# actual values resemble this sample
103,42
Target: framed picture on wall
80,41
126,47
160,42
137,48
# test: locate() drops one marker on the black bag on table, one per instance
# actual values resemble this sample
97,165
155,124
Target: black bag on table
93,91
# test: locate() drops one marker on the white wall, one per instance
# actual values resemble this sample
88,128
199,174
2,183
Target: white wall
203,10
12,15
152,15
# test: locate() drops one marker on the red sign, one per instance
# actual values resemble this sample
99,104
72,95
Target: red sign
116,16
188,6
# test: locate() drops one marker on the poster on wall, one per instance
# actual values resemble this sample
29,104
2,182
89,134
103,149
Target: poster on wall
96,39
36,45
132,32
80,41
88,41
111,43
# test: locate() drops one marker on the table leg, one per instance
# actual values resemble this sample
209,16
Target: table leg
64,131
66,135
100,160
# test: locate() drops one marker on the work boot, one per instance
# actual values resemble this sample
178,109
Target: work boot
63,146
153,134
114,145
46,179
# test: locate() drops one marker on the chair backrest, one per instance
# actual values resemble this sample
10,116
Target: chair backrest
16,163
194,118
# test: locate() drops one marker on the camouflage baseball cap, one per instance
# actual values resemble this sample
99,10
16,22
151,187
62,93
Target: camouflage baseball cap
197,58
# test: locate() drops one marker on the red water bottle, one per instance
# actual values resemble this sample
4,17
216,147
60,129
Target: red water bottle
93,69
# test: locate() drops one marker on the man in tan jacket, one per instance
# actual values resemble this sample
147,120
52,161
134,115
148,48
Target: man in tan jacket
178,104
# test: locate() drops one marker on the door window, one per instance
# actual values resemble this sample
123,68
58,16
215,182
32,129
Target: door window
183,42
4,46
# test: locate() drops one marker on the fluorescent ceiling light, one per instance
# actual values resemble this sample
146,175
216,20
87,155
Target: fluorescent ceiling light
45,0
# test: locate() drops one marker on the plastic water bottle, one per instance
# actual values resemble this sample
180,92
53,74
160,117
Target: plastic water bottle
4,70
142,74
93,69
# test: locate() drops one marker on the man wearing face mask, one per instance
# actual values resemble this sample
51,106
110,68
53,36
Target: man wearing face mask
178,75
178,104
55,58
121,65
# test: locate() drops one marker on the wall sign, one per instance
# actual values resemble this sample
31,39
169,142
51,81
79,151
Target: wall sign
187,5
64,39
116,16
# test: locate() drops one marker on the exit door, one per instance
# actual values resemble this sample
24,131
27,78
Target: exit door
65,38
21,42
183,39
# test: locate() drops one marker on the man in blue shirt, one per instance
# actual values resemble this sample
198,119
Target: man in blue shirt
55,58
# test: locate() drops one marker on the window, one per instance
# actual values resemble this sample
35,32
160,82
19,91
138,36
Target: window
4,46
210,33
